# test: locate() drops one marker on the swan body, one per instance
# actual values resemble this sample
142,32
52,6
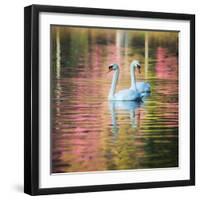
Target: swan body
124,95
125,105
127,95
142,87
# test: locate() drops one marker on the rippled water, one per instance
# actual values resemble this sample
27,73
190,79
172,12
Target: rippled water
89,133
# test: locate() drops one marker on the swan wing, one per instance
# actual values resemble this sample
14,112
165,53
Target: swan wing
128,95
143,87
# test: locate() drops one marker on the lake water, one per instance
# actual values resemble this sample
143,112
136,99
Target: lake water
89,133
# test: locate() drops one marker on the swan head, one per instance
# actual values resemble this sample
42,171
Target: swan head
113,67
136,65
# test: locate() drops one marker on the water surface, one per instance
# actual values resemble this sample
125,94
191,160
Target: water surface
89,133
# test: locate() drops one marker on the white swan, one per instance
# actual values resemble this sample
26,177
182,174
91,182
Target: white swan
123,95
142,87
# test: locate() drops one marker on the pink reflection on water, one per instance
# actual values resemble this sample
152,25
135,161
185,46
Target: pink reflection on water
166,66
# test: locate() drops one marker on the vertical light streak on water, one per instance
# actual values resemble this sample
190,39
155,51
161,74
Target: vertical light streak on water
118,44
58,53
121,45
126,60
146,54
58,71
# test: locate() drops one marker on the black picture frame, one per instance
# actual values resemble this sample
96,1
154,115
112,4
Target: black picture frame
31,98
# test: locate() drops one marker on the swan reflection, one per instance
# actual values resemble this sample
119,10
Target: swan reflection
124,108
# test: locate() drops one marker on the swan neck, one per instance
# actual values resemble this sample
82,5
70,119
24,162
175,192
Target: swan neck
114,83
133,79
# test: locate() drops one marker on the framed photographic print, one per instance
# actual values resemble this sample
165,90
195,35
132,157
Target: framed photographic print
109,99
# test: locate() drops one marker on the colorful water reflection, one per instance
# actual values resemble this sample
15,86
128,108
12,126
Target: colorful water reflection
91,134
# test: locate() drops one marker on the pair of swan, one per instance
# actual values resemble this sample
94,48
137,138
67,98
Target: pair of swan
137,90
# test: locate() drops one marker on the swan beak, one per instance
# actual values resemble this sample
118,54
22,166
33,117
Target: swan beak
110,68
139,68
